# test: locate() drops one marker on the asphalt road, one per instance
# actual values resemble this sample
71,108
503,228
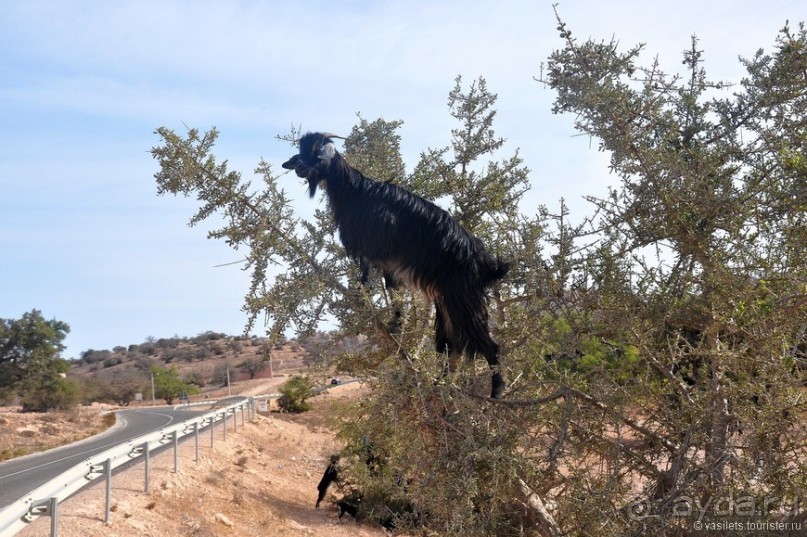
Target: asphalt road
21,475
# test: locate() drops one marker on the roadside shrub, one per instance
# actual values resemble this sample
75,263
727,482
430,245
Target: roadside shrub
62,395
91,356
112,361
109,419
195,378
295,393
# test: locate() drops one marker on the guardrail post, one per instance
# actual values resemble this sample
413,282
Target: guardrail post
176,451
108,472
196,435
147,455
235,420
242,415
54,518
212,423
225,425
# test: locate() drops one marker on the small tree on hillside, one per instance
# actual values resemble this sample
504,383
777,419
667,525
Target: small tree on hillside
124,384
223,373
295,393
30,363
253,366
168,385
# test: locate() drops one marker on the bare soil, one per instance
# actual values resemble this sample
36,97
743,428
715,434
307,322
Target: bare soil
24,433
261,480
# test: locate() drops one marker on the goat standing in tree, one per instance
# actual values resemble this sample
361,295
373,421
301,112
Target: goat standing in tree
414,243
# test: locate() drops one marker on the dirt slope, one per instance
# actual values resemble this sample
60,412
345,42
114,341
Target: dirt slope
261,480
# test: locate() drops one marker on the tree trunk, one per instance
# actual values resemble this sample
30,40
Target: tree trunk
548,526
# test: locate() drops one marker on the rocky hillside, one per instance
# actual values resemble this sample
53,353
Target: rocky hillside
199,355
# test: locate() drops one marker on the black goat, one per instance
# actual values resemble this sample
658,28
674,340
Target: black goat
413,242
331,475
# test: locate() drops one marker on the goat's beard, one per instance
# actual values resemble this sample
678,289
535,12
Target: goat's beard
304,171
312,176
313,182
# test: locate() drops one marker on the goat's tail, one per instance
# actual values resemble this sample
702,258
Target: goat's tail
493,269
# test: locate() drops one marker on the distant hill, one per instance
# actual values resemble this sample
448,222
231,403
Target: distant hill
195,357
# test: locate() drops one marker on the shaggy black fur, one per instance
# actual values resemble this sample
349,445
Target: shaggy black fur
331,475
413,242
349,504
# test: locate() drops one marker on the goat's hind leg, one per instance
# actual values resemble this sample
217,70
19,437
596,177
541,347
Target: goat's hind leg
364,271
491,353
474,336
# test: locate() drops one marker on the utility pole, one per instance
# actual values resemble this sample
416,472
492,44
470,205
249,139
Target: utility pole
267,357
229,392
153,396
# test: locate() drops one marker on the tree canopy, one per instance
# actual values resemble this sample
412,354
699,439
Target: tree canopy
31,366
656,351
168,385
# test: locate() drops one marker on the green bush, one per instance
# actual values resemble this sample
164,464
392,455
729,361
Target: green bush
62,395
295,392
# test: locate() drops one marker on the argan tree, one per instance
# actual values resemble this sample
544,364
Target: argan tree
655,349
31,367
253,366
295,393
168,385
700,271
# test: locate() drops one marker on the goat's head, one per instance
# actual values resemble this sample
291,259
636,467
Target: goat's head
316,152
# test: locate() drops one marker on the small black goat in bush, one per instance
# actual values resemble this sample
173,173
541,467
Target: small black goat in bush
413,242
331,475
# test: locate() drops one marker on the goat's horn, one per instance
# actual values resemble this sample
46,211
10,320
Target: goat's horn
329,135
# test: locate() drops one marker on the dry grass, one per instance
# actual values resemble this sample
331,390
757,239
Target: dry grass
31,432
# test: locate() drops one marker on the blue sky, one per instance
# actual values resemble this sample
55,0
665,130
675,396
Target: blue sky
85,239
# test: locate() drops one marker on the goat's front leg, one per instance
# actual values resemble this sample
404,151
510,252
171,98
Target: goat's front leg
394,326
443,343
497,379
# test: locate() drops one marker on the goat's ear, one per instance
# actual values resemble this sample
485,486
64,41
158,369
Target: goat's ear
326,152
292,162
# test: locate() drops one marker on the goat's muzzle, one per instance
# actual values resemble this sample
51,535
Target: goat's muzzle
292,162
303,171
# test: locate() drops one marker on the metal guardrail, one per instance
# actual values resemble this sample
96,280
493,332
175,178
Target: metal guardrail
44,500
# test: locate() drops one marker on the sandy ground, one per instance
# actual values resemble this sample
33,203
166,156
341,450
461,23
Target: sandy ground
25,433
261,480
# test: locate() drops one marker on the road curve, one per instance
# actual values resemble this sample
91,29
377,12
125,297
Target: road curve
21,475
